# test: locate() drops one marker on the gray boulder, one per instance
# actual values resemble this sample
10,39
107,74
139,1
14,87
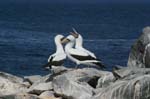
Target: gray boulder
137,88
140,55
10,84
79,83
40,87
72,90
13,78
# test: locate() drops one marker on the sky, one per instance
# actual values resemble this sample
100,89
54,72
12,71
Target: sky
79,1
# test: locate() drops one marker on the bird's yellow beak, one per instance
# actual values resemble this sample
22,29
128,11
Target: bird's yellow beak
64,41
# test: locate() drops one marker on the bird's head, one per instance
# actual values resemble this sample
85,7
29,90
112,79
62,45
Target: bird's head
59,37
74,33
69,38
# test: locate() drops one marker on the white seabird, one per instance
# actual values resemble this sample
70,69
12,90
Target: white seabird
79,56
57,59
79,43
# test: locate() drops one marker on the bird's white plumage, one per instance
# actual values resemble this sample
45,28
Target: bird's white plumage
60,53
76,51
57,57
79,46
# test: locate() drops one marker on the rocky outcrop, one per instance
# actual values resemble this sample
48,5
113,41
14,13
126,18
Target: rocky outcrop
71,89
86,83
10,84
65,83
140,53
78,83
132,84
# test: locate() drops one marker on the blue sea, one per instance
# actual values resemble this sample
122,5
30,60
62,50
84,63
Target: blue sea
27,32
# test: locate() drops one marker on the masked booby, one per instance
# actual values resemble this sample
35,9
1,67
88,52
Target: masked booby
57,59
79,43
79,56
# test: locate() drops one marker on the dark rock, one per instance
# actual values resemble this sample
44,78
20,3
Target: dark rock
93,82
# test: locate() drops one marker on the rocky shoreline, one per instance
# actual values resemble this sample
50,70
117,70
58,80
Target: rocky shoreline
131,82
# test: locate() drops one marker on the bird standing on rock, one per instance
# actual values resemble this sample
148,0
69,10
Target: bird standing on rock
79,56
79,43
57,59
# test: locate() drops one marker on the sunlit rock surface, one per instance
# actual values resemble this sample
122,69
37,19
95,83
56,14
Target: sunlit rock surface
71,89
32,79
39,88
10,84
86,83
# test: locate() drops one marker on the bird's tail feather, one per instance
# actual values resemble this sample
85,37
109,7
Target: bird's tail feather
102,66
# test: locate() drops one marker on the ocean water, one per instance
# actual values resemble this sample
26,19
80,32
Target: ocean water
27,32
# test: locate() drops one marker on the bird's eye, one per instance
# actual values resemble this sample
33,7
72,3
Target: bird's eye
62,38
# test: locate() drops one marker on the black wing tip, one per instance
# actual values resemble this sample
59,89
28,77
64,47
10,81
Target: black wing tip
102,66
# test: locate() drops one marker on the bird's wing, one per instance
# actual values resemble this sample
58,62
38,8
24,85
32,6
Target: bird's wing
56,59
51,57
89,52
80,54
59,56
82,58
77,52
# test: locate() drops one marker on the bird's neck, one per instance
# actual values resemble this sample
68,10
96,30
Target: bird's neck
78,45
59,47
69,45
79,42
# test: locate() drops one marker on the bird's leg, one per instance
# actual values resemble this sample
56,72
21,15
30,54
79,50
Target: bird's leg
76,67
51,75
52,71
